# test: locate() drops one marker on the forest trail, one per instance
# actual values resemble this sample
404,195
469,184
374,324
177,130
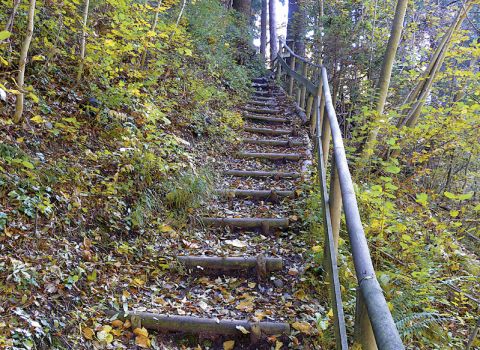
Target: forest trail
244,285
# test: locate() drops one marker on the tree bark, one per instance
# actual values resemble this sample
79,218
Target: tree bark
385,75
244,7
263,30
23,62
272,4
83,42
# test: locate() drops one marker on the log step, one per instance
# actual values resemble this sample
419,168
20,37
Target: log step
263,223
261,103
280,143
260,85
263,93
270,156
264,99
266,119
231,263
267,131
197,325
272,195
255,173
262,110
260,80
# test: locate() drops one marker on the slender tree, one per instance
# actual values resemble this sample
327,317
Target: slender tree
154,27
23,62
84,40
385,75
263,30
272,4
416,98
9,25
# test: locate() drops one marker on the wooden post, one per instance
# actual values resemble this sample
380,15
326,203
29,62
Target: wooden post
326,136
278,76
335,203
299,86
292,67
363,334
308,111
303,90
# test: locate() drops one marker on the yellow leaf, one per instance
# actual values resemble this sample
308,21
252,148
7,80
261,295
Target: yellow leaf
317,248
246,305
104,337
117,332
166,228
228,345
107,328
303,327
278,345
88,333
142,341
37,119
330,313
117,323
138,282
141,332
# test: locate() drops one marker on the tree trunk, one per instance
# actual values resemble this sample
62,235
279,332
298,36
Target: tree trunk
296,26
154,27
84,40
263,30
23,62
385,75
417,96
244,7
272,4
11,19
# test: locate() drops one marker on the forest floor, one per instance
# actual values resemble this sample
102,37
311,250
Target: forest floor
67,283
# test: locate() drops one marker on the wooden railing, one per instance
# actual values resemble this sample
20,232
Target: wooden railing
374,325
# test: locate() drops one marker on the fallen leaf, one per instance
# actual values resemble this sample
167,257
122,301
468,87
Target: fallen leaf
242,329
140,332
228,345
88,333
117,323
317,249
330,313
303,327
142,341
278,345
236,243
104,337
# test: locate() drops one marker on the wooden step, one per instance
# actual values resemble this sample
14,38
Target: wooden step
267,131
266,224
266,119
271,156
261,103
260,85
263,93
232,263
268,142
262,110
270,195
261,174
260,80
264,99
197,325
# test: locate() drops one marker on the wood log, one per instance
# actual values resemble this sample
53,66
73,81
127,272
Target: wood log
254,173
263,93
197,325
273,195
267,131
271,156
260,80
246,222
280,143
301,113
265,99
261,103
260,85
262,110
266,119
229,263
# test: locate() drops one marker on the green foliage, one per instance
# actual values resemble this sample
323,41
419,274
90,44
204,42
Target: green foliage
188,190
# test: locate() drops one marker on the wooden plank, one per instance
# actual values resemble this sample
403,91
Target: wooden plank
279,143
271,156
268,131
255,173
230,263
197,325
266,119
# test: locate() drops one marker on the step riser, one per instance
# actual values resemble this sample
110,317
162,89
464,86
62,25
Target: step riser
229,264
264,119
274,143
272,196
270,156
276,132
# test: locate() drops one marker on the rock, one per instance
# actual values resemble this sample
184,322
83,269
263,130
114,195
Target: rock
278,283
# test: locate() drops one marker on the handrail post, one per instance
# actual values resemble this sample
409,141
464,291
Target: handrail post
335,202
278,76
308,110
290,83
325,137
303,89
299,85
363,333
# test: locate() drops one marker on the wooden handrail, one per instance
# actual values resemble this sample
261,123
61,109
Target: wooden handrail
374,324
303,59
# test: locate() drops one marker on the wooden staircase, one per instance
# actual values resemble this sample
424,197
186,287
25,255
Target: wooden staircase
275,136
